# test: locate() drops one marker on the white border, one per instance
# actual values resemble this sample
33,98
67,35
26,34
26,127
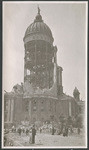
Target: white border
86,115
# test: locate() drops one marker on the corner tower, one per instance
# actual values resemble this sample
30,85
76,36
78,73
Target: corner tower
40,70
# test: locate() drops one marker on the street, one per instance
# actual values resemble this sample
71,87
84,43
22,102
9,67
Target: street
47,140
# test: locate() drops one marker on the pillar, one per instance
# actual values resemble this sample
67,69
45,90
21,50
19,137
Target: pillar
59,79
70,109
8,118
35,62
12,109
55,65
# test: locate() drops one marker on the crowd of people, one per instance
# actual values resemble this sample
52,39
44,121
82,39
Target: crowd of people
64,128
28,131
20,130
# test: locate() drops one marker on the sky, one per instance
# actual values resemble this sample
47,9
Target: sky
67,22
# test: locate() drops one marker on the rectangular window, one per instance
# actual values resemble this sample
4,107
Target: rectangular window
42,108
34,108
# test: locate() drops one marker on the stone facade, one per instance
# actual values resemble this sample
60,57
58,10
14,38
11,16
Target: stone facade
41,96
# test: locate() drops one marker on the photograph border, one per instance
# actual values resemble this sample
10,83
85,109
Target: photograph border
1,75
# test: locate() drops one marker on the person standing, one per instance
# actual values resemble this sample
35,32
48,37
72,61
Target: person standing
40,130
27,131
78,130
53,130
33,134
30,136
13,128
5,140
19,131
66,130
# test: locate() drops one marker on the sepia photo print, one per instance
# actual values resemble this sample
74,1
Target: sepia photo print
44,103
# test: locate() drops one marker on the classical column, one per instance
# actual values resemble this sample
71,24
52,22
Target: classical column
8,118
30,110
55,66
46,61
25,72
60,76
35,61
12,109
70,109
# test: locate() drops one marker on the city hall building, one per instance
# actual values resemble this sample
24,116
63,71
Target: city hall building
40,97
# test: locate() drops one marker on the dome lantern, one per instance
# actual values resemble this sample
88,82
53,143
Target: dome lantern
38,30
38,16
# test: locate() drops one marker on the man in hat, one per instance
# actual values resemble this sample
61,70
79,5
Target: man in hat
33,134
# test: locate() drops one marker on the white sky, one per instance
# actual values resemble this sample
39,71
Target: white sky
67,22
